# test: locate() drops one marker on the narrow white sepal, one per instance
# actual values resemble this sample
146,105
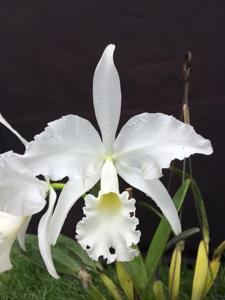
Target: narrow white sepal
154,189
7,125
22,233
44,235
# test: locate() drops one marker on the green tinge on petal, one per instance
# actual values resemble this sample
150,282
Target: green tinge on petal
109,203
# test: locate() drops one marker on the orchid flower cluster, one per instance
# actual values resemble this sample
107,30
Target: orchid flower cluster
71,147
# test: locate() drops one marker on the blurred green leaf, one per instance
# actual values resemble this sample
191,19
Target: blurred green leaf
201,271
94,294
158,290
68,255
78,252
199,202
62,257
159,241
214,267
137,272
125,281
32,251
175,272
201,210
110,286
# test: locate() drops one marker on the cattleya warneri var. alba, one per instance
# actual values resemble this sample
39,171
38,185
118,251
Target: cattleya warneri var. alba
71,147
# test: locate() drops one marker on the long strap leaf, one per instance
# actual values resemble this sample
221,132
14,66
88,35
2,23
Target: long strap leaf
201,270
137,273
199,202
175,272
161,237
158,290
125,281
112,288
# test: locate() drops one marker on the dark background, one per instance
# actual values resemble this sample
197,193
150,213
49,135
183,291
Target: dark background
48,53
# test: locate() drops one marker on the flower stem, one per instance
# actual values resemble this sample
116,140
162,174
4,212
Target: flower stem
58,185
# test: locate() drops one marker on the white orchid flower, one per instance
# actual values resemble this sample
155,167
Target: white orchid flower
147,143
109,227
21,196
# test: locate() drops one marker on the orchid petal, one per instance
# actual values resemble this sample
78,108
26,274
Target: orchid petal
7,125
21,193
149,142
72,191
107,97
44,236
22,233
108,225
9,227
69,146
154,189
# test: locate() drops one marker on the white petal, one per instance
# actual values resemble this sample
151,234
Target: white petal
44,235
107,97
109,224
22,233
72,191
149,142
154,189
6,124
69,146
9,228
21,194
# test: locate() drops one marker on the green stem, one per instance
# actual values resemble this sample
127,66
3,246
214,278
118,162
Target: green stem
58,185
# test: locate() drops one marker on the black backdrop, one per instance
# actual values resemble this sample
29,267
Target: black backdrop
48,53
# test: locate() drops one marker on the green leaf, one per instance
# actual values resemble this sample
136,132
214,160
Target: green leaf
161,236
199,202
62,257
137,272
94,294
78,252
68,256
32,252
158,290
202,215
183,236
63,262
110,286
125,281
